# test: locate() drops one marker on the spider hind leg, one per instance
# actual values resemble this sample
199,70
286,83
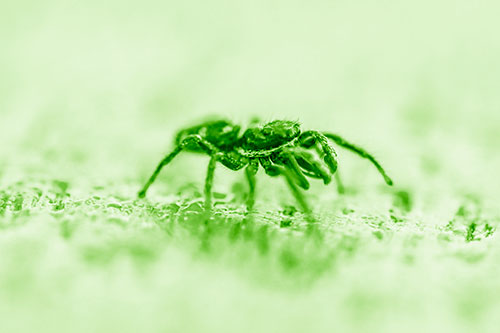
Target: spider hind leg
164,162
186,143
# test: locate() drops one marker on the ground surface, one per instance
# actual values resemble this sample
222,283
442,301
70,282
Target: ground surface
91,95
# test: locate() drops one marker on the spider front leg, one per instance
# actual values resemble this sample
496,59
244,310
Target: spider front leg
288,160
274,171
310,165
340,184
311,138
361,152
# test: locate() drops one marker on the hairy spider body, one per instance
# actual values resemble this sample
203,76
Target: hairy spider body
279,147
220,133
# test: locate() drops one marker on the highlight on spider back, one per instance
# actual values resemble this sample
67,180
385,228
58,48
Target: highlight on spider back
280,147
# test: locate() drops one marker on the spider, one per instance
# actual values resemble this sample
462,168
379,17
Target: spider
279,146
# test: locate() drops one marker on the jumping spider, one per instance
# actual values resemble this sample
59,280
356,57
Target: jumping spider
279,146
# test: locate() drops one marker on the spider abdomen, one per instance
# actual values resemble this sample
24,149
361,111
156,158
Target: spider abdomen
221,133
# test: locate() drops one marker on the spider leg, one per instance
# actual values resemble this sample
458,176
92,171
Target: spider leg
275,170
164,162
310,138
287,159
311,166
340,184
209,180
251,171
205,145
361,152
233,160
270,169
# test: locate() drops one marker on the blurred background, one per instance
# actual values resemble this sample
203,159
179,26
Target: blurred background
92,93
99,89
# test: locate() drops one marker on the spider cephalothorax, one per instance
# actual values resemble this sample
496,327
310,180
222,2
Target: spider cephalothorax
271,135
279,146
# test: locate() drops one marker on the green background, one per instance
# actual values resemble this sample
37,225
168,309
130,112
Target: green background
91,94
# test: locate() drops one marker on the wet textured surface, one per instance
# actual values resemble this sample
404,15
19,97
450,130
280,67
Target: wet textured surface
91,98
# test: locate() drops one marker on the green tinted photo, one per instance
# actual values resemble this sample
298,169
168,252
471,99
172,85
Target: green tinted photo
249,166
